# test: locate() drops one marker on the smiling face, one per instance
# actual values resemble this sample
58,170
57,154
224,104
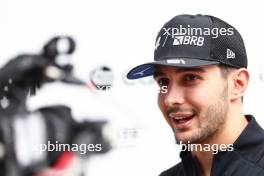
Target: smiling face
196,102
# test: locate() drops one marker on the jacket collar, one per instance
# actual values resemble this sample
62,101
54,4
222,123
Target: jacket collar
248,144
252,134
251,141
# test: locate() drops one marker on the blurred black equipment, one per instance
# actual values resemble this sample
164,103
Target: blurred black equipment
31,142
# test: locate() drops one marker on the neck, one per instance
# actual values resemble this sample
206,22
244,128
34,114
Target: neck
234,125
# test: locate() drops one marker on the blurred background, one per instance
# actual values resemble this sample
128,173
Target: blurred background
119,35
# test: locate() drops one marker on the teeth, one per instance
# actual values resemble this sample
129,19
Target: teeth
178,117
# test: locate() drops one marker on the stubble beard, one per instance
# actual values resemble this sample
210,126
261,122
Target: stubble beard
214,118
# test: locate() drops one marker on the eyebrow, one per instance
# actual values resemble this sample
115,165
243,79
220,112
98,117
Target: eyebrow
180,70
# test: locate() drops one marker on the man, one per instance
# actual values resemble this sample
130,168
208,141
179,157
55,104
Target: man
201,61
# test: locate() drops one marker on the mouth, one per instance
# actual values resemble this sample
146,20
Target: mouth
181,121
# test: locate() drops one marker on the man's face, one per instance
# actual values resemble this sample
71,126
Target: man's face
196,102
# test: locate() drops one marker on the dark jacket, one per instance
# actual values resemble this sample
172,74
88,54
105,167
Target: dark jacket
247,158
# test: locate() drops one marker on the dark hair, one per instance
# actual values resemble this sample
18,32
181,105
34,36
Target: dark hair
225,70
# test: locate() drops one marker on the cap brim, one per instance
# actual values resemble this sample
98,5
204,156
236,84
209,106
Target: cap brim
148,69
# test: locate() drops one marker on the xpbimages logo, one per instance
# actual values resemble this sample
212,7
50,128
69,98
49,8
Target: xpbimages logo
214,148
191,35
59,147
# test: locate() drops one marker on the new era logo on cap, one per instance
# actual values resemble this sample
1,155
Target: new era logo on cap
194,41
230,54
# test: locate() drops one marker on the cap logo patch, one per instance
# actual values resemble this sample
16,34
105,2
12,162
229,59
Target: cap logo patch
157,43
141,73
188,40
176,61
230,54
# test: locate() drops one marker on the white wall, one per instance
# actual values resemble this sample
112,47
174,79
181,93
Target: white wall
121,34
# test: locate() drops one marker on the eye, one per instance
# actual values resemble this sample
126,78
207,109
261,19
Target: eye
163,82
191,77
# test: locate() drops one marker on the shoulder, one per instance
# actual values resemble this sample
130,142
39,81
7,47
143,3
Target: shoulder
174,171
250,144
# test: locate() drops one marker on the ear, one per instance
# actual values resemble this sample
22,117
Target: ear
240,81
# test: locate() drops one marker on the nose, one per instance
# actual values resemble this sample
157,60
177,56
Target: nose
174,96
